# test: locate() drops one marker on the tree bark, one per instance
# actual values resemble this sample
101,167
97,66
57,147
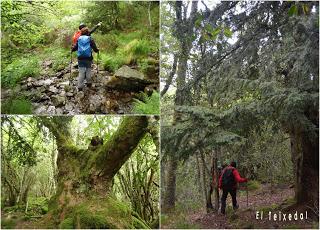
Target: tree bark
170,189
305,156
207,192
215,185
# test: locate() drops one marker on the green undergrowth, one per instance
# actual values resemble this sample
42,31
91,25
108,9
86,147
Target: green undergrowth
30,65
19,69
178,218
102,213
60,57
234,218
126,48
146,104
8,223
16,105
253,185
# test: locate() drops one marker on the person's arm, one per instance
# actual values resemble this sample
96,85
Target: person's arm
238,178
94,46
94,28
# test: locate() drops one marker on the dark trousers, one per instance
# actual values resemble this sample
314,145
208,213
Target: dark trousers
233,193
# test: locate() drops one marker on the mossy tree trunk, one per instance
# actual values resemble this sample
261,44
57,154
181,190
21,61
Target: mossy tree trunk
305,157
88,173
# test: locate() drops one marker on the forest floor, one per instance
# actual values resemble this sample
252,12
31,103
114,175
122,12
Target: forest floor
280,199
57,93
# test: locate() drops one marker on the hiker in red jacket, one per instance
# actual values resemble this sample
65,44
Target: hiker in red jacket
77,34
228,183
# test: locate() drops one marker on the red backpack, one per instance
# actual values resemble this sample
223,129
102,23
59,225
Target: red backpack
75,37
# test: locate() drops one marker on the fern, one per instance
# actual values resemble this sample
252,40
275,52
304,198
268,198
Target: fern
147,105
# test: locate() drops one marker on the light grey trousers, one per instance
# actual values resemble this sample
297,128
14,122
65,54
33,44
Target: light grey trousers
84,73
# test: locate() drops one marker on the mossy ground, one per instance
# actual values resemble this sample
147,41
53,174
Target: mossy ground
96,213
100,213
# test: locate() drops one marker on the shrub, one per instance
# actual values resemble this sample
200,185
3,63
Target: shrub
19,69
148,105
67,224
8,224
253,185
107,42
113,62
137,48
16,106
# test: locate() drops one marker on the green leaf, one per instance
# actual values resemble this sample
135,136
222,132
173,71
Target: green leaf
227,32
305,9
216,32
293,10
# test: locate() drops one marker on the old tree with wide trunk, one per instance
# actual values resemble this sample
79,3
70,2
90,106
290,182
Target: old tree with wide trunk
85,176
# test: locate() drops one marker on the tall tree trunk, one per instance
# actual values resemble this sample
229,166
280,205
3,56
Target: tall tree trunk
170,188
182,96
215,176
305,155
207,191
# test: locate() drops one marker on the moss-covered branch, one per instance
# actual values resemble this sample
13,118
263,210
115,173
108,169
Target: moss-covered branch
113,154
60,128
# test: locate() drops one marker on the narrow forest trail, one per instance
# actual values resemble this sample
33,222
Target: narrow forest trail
244,217
58,94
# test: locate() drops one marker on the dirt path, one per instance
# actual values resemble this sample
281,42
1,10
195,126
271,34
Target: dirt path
245,217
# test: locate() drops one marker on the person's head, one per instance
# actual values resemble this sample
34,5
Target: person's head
82,25
84,31
233,164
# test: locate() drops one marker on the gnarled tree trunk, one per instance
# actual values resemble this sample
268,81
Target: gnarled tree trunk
85,174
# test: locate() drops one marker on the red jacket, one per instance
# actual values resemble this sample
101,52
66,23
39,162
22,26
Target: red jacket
75,37
236,175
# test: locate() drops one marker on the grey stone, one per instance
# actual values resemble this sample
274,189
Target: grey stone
58,100
51,110
53,89
128,73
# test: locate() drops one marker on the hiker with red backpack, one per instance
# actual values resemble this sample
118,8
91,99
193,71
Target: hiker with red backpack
84,46
228,183
77,34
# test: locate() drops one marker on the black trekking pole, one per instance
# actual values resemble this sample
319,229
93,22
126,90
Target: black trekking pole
70,63
98,63
247,194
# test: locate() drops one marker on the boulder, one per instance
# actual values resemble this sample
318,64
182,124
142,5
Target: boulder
128,79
